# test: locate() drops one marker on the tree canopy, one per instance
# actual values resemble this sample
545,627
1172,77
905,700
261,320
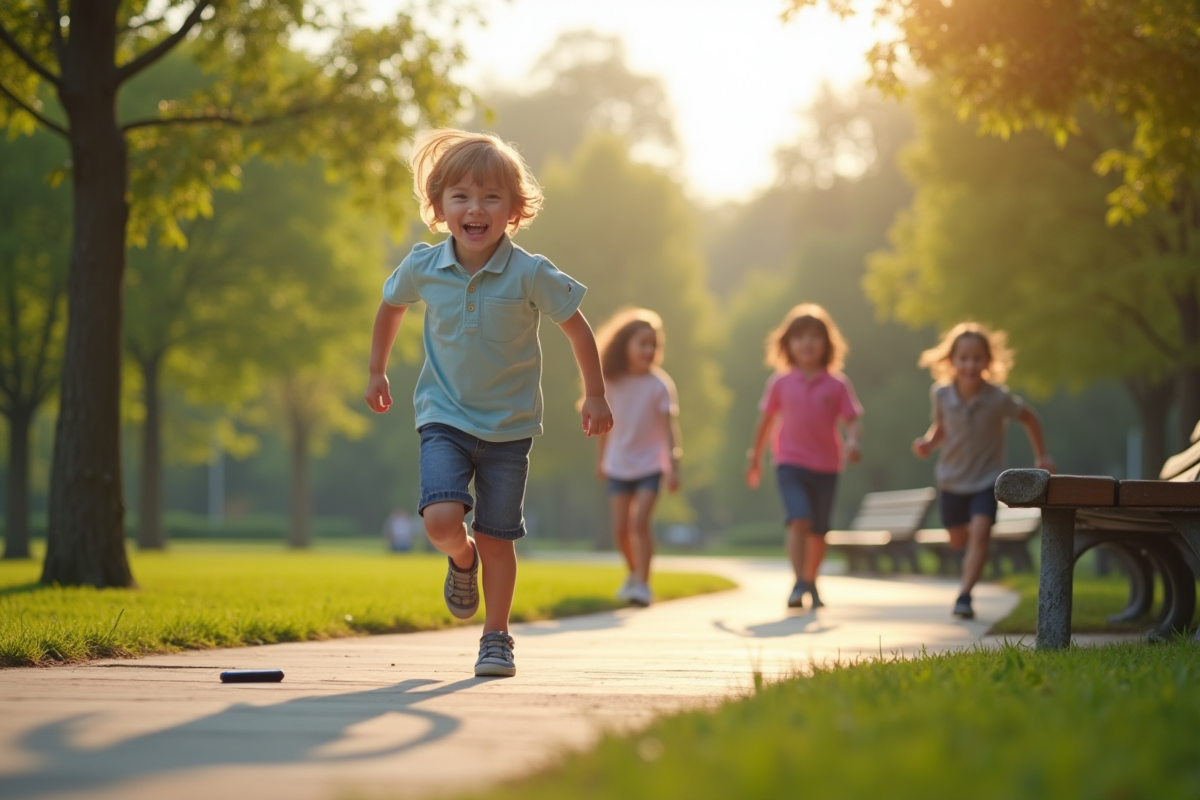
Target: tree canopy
1014,64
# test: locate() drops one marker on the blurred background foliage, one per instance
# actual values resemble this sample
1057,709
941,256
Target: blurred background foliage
247,347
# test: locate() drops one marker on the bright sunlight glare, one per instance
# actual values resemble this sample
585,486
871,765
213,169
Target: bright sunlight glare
736,74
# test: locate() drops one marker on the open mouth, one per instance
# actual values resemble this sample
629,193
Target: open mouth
475,228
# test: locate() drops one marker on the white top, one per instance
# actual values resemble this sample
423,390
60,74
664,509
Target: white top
638,442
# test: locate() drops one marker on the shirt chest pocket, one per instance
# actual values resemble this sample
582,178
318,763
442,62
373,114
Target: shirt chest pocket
504,319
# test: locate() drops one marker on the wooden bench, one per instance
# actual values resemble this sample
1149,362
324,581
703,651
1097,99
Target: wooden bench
884,525
1011,534
1153,525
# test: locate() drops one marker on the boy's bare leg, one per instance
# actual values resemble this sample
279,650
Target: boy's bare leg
798,531
814,555
448,533
643,536
619,505
499,562
979,533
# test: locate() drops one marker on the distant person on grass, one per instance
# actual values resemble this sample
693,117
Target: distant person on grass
804,403
478,399
644,447
970,409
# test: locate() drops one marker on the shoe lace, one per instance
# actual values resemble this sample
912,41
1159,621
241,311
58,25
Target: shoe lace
496,644
462,586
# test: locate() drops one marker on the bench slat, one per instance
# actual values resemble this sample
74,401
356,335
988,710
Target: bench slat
1144,494
859,538
1081,490
887,522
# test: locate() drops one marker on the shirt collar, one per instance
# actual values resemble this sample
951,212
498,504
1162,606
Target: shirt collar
496,263
818,375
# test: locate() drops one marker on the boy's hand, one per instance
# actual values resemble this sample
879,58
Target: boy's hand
853,453
673,480
922,447
379,396
1046,463
596,416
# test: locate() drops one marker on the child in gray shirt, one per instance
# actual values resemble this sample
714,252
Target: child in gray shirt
970,410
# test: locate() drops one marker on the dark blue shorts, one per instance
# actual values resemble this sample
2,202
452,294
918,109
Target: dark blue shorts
957,509
451,458
807,495
647,484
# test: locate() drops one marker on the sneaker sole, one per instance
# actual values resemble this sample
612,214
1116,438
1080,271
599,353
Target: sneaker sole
961,615
795,603
494,671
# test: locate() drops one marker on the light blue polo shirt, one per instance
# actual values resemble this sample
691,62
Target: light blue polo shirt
483,360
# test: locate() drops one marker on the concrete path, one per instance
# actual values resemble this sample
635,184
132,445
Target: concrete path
401,715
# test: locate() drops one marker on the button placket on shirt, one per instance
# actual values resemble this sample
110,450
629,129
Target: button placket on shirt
471,302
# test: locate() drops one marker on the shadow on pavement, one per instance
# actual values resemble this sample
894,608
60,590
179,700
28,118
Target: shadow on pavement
287,733
793,625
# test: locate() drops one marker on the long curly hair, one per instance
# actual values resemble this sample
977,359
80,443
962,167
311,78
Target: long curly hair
806,317
937,359
614,335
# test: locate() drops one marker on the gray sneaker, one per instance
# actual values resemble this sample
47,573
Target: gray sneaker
462,590
495,656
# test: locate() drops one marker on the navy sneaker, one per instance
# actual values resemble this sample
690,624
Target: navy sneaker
962,607
796,598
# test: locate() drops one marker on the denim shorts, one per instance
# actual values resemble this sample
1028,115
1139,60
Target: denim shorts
957,509
807,495
450,459
646,484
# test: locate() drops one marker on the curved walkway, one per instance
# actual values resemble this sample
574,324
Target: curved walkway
401,715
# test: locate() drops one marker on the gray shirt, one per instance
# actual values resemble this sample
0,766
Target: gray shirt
973,435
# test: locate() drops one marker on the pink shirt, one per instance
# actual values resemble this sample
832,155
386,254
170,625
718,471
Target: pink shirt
637,443
809,409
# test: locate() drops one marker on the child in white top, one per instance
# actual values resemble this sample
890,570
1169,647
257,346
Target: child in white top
643,446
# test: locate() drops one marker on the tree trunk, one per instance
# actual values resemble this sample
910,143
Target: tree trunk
85,538
1153,401
300,535
1188,307
150,522
16,518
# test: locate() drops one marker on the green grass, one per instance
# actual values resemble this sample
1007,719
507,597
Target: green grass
207,595
1094,598
1109,723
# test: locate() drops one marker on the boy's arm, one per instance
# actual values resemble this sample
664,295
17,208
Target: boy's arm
601,445
387,324
754,454
597,417
1033,428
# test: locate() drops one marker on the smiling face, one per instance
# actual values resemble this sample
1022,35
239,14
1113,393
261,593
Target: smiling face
477,216
970,358
807,349
641,350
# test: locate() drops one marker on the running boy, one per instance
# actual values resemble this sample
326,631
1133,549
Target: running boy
970,408
478,399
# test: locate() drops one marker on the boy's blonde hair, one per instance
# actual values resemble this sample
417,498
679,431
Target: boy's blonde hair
804,317
995,346
613,339
443,157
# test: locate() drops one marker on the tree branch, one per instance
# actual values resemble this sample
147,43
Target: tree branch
159,50
21,104
26,56
1142,324
222,117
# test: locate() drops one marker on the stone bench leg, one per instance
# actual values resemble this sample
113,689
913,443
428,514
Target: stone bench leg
1057,577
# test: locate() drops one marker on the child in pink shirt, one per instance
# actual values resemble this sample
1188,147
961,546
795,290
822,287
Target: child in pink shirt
643,447
804,402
